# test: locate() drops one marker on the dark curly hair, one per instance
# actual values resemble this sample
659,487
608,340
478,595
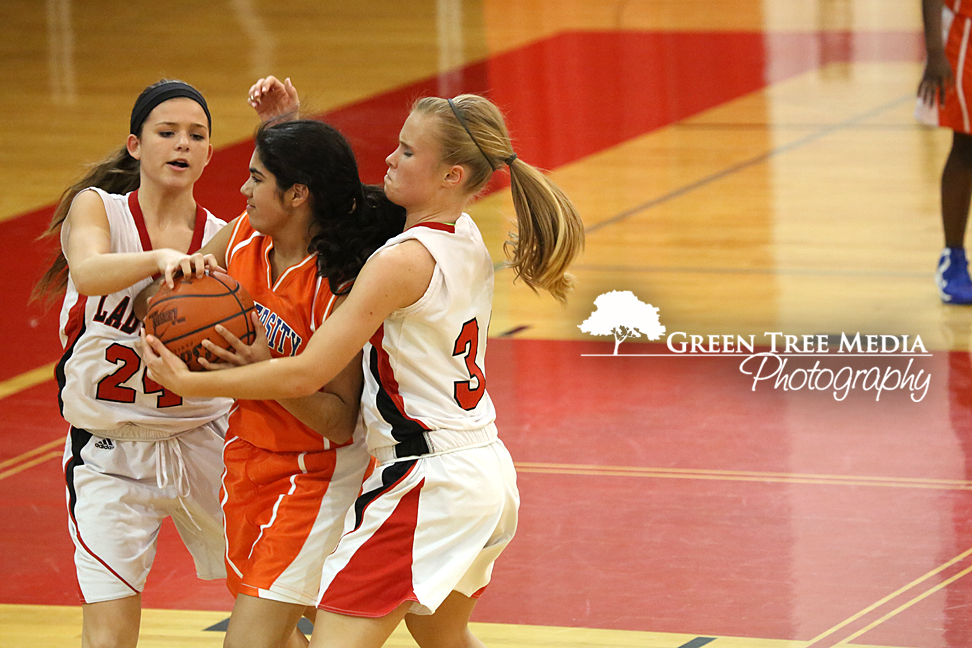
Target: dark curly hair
351,219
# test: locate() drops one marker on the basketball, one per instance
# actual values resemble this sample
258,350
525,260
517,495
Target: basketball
188,314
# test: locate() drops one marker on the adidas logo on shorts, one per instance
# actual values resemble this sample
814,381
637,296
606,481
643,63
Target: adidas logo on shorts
105,444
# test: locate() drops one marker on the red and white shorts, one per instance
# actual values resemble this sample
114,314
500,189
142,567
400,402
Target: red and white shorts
118,494
954,113
423,528
284,513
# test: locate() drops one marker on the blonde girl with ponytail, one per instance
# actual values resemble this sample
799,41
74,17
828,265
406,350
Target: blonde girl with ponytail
420,542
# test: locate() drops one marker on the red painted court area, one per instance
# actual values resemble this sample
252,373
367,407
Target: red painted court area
659,493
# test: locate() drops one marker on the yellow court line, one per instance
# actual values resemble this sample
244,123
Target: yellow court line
764,480
748,473
27,380
905,606
794,478
891,596
30,453
30,464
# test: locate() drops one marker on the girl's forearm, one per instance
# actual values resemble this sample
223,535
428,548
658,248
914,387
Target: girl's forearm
108,273
275,379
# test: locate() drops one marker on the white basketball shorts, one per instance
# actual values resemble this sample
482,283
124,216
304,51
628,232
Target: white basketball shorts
118,494
422,528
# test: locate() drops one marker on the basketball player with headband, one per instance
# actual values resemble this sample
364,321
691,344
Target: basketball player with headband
136,453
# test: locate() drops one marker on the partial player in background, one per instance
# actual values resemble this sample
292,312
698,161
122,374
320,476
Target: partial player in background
943,101
421,540
136,453
293,466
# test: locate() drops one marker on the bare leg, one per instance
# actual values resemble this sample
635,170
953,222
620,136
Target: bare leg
111,624
448,627
957,190
297,638
340,631
264,623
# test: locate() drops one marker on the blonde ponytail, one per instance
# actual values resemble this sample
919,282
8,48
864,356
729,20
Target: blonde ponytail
550,233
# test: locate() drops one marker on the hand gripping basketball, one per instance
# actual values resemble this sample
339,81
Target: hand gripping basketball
185,315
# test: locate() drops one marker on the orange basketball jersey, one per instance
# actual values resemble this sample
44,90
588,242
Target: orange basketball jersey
290,310
960,7
955,111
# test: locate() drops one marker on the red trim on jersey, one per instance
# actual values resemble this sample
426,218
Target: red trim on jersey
72,332
198,229
378,578
444,227
386,378
139,217
75,321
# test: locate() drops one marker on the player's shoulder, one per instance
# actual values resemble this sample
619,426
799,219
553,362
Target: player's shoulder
408,255
91,198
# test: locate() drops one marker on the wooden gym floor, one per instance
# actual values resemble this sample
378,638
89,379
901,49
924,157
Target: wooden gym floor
745,167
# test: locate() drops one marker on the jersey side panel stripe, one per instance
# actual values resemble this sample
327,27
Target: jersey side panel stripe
79,439
388,400
73,331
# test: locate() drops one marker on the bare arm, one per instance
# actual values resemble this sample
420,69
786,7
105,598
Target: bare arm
392,279
938,73
215,247
95,270
273,99
332,412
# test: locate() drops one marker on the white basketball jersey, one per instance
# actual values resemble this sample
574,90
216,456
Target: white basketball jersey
101,378
424,368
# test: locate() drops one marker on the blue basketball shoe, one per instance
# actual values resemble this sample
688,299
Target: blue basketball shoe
952,277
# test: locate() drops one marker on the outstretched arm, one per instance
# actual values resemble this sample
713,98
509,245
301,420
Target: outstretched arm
332,412
395,278
274,99
216,247
96,270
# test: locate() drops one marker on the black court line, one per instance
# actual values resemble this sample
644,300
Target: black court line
698,642
753,161
304,625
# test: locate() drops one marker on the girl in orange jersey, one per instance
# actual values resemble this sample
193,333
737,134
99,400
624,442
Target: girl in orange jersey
421,540
943,100
293,466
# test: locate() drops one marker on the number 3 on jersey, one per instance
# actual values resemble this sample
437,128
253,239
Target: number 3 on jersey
466,393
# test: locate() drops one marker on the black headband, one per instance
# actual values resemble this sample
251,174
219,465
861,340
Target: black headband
156,94
462,121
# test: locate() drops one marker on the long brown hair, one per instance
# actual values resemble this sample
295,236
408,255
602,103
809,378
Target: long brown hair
550,233
119,174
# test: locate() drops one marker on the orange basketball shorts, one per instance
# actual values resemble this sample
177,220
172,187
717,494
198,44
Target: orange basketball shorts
953,112
283,513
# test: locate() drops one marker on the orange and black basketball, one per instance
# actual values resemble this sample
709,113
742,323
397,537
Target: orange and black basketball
188,314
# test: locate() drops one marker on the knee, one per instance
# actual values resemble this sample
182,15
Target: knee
962,149
235,640
445,638
107,637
